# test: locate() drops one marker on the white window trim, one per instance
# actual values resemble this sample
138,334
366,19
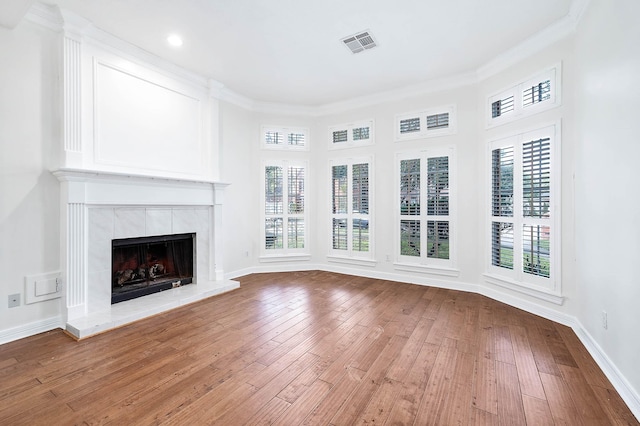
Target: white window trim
548,289
284,254
553,73
424,264
425,132
348,127
286,131
350,256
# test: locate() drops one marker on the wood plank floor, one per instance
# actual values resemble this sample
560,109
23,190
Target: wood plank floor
315,348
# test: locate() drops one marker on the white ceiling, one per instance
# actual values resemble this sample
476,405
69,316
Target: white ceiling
289,51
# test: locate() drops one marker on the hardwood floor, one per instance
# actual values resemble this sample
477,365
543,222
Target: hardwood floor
315,348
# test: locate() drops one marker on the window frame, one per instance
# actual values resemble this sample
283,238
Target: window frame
349,128
548,289
284,253
286,131
552,73
349,255
423,263
425,131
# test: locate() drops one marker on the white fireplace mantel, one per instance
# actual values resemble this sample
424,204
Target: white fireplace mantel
98,206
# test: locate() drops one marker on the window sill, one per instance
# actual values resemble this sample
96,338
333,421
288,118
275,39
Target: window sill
285,258
424,269
352,261
538,293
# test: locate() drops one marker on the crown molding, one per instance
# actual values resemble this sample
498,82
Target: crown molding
52,17
45,16
537,42
431,86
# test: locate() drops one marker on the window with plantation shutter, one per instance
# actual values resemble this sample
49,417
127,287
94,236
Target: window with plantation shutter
285,213
426,123
536,94
351,222
425,237
340,136
502,106
409,125
524,205
351,135
284,138
438,121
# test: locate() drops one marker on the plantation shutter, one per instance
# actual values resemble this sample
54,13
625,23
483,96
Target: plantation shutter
438,121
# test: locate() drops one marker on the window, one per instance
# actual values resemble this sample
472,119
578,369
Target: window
285,219
433,122
425,210
274,137
528,97
351,222
351,135
524,206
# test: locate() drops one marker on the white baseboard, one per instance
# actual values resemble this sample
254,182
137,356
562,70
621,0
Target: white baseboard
617,379
30,329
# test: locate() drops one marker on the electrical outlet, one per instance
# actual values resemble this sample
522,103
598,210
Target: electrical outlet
14,300
605,324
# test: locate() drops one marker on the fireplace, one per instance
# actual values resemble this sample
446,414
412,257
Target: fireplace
102,211
146,265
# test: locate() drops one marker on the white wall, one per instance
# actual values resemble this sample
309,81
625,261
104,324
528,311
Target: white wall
29,194
239,167
607,173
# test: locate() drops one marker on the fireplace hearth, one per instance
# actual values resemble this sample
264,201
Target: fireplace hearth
146,265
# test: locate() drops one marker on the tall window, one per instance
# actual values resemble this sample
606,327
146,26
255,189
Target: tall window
524,209
285,221
351,224
425,208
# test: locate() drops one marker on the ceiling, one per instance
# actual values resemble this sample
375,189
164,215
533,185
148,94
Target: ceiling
289,51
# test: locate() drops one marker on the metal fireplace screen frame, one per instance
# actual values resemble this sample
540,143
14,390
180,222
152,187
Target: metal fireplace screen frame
146,265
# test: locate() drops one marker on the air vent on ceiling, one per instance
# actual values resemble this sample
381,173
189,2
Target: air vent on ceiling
359,42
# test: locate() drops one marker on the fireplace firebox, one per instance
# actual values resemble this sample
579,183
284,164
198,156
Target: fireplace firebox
146,265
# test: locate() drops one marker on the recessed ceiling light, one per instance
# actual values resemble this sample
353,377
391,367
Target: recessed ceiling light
174,40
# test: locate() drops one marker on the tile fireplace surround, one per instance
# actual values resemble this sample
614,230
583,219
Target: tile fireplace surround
97,207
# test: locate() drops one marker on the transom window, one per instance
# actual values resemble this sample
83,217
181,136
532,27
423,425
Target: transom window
351,135
536,94
427,123
274,137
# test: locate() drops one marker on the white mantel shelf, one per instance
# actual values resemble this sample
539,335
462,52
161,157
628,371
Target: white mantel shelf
83,174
